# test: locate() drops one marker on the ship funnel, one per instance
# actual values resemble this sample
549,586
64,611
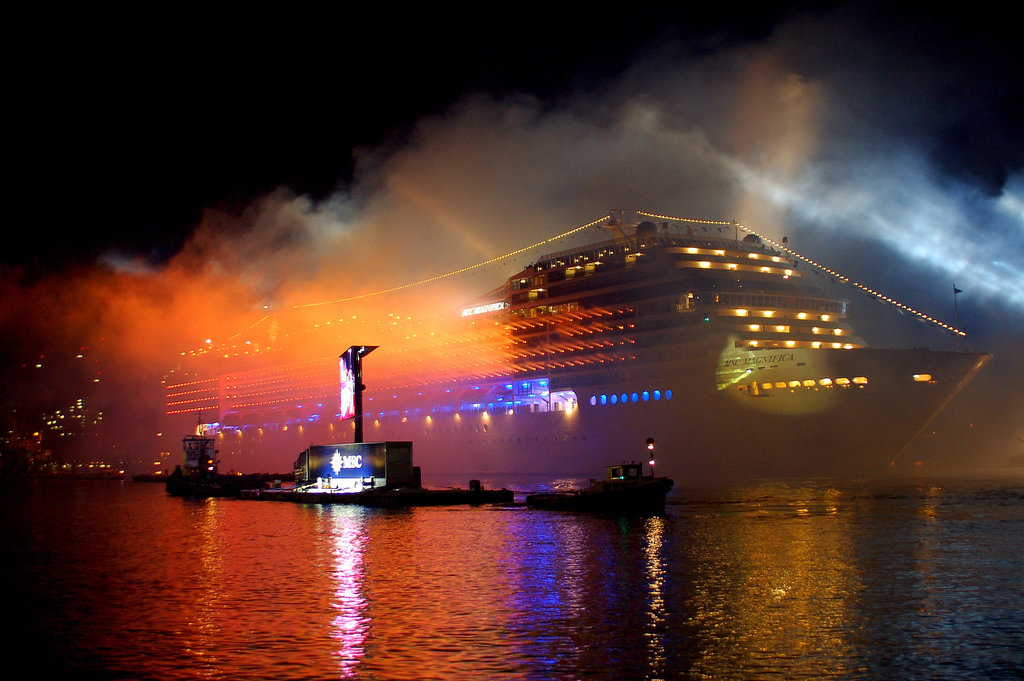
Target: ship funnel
646,230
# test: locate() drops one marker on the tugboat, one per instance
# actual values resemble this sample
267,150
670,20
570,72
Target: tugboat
198,477
626,490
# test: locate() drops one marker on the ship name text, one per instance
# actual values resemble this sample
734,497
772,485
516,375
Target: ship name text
759,359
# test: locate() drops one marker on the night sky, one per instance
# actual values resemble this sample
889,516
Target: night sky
174,172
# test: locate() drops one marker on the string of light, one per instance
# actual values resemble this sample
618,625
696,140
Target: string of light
253,325
506,256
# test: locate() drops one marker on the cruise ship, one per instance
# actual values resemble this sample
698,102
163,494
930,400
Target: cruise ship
720,345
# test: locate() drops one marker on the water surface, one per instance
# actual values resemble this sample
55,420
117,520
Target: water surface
107,579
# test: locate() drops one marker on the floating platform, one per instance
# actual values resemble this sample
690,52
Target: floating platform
386,498
377,474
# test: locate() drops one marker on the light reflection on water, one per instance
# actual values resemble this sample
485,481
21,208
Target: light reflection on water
350,622
117,580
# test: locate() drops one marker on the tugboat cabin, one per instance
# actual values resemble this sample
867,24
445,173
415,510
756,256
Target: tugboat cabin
625,471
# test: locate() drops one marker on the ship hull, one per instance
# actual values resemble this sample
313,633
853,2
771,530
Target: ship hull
704,431
709,420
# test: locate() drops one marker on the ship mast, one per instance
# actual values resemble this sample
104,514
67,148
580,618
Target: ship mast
616,220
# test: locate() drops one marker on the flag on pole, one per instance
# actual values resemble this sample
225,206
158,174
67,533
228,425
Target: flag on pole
956,290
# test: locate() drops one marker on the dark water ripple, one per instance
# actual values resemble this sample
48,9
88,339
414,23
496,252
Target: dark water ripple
110,580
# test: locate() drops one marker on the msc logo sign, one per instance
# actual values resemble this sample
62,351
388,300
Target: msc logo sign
346,462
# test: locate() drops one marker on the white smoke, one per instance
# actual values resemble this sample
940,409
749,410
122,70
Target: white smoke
755,135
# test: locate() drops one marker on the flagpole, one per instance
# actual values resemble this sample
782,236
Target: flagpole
956,309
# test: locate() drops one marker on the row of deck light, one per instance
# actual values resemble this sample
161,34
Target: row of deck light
876,294
846,280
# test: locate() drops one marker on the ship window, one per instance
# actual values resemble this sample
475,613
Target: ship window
922,378
657,395
593,400
614,399
604,399
794,384
624,398
766,386
842,381
810,383
780,384
646,396
668,394
860,380
634,397
825,381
